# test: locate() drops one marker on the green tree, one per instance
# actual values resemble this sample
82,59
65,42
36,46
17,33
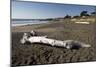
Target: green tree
76,16
67,16
93,13
84,13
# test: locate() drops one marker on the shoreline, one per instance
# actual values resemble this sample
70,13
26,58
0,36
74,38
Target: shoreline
22,23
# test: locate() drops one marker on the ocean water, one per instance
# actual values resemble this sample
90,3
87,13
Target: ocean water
26,22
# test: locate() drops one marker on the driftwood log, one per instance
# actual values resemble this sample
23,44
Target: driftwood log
69,44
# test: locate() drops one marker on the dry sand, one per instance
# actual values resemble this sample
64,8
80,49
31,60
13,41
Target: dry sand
39,54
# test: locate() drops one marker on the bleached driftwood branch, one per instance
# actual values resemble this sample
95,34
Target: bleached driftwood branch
53,42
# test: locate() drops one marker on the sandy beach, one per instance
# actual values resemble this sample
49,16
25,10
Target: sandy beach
38,54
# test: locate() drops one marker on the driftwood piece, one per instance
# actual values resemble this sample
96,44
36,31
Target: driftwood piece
69,44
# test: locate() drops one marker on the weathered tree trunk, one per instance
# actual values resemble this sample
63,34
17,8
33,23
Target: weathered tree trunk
53,42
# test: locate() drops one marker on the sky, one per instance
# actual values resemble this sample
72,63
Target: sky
37,10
